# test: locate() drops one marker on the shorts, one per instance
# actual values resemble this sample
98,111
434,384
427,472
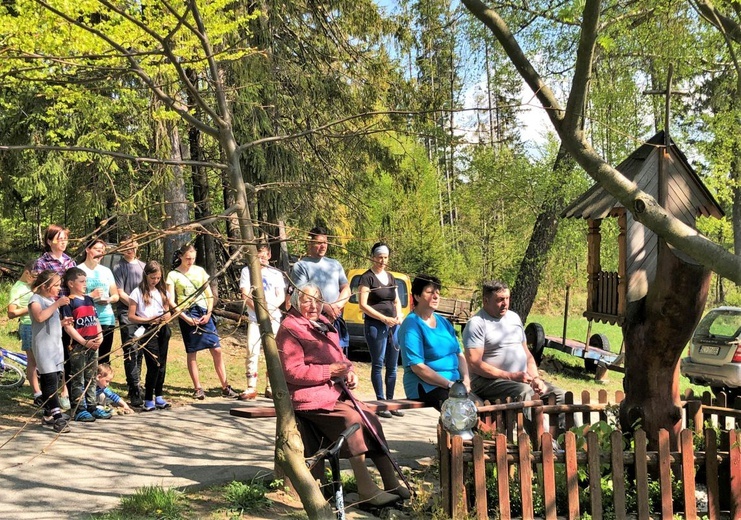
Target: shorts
24,332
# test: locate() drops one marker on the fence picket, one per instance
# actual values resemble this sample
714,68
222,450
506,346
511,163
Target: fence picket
444,447
586,416
711,473
479,477
641,470
595,474
665,477
549,477
526,475
503,477
572,479
569,399
734,450
458,492
618,474
688,473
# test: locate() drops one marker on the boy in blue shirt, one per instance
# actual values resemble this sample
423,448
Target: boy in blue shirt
103,393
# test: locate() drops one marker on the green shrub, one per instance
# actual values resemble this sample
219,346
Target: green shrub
250,496
154,502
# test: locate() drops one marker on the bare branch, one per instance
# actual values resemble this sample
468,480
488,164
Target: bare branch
166,47
583,71
119,155
499,28
213,66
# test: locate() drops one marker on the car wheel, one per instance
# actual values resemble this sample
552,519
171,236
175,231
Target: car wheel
598,341
535,336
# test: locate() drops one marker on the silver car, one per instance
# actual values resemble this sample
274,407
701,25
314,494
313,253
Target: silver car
715,352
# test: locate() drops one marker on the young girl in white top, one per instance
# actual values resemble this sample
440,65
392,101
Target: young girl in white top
150,307
46,333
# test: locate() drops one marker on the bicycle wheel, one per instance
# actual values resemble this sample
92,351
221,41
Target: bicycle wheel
11,376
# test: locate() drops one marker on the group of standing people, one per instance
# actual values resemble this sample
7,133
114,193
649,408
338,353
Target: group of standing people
494,363
67,320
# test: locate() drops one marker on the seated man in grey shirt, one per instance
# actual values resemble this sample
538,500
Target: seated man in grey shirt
499,360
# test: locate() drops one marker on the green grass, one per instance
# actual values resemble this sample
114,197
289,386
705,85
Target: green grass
149,502
247,496
577,329
574,377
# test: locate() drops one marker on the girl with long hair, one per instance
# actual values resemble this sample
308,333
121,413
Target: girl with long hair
150,306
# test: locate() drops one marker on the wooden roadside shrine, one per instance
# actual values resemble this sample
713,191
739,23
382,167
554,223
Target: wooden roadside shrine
657,294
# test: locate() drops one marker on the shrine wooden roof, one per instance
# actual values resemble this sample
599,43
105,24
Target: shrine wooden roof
687,196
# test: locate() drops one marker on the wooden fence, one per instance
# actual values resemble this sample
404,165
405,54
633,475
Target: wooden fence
522,474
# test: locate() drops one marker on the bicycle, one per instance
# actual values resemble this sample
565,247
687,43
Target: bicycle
11,376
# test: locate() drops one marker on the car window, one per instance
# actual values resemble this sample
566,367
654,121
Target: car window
726,325
354,289
401,290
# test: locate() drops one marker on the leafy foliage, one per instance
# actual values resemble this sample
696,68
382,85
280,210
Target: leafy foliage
247,496
154,502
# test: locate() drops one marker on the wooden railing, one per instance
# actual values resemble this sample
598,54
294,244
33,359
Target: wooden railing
604,300
528,453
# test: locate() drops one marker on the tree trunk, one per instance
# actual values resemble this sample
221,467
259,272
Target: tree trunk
234,236
544,233
204,242
289,449
176,204
656,330
736,210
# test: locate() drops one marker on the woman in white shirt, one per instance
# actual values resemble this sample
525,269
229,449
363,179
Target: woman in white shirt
149,307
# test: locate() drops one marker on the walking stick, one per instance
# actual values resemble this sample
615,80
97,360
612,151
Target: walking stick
333,454
373,432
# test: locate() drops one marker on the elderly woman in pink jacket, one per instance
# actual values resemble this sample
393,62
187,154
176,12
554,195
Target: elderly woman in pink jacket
312,360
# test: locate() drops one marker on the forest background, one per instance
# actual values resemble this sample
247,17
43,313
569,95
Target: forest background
396,121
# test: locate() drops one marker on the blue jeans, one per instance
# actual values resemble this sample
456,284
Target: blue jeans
383,352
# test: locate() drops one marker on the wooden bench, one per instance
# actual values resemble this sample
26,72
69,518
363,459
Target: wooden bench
256,411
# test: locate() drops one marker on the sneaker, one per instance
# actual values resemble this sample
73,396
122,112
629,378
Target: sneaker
38,401
148,406
248,395
100,413
49,420
61,425
64,403
397,413
135,399
84,416
229,392
198,394
384,413
161,404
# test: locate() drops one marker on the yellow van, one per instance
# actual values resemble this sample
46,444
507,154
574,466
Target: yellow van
353,316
